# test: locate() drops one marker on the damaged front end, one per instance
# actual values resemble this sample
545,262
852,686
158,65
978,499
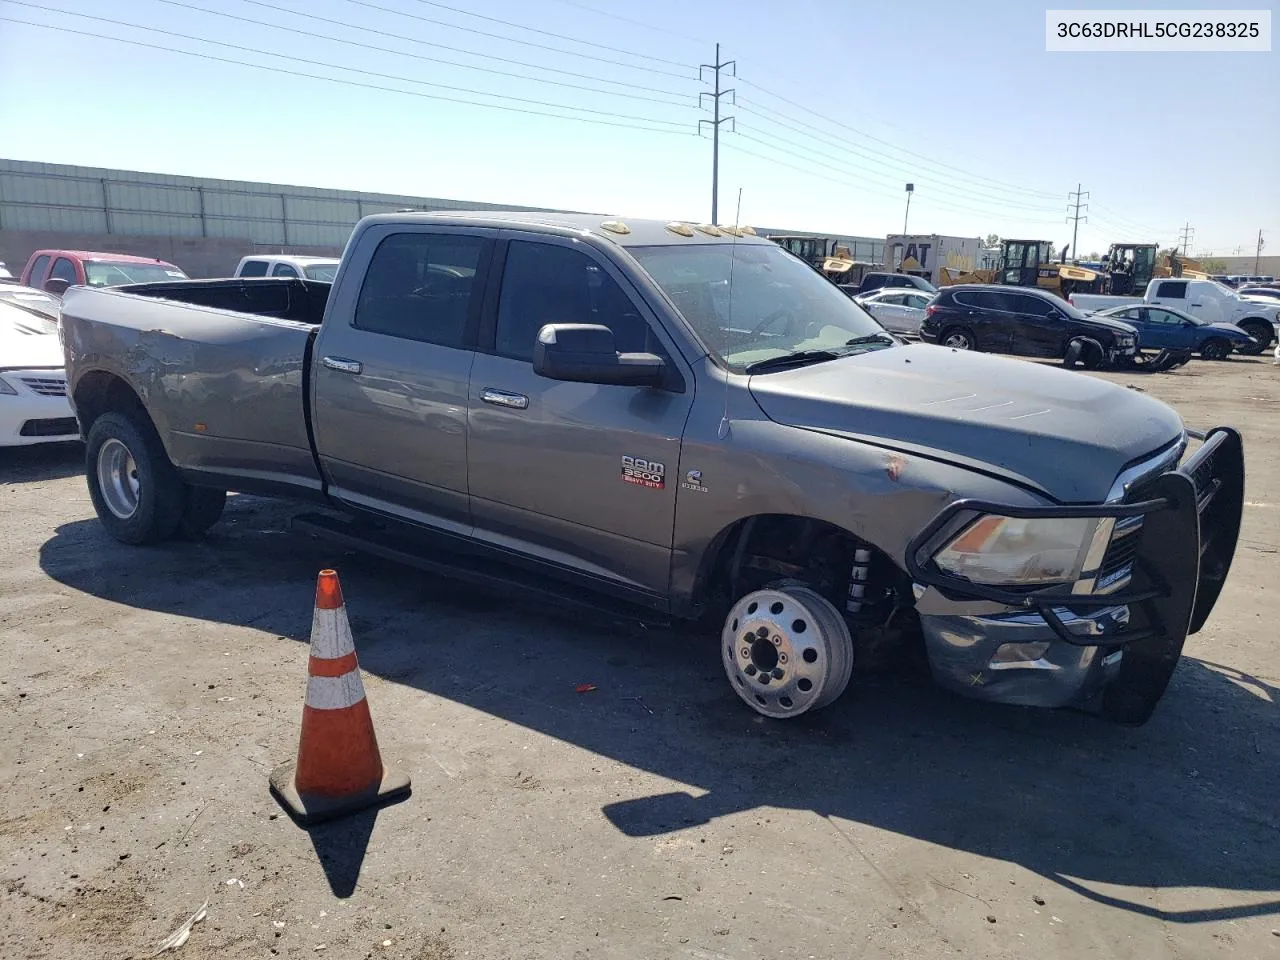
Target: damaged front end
1110,618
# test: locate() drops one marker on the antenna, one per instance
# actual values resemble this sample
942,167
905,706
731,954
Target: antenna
723,432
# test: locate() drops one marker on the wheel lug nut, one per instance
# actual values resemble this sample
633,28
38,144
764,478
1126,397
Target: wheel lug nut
777,673
750,671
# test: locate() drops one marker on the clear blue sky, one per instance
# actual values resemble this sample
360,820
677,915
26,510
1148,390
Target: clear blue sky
842,102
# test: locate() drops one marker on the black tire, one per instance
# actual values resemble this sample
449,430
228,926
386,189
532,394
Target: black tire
1084,352
1261,331
201,510
160,492
958,338
1215,348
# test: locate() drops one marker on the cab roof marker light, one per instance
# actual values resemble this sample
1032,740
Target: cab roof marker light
680,229
711,230
615,226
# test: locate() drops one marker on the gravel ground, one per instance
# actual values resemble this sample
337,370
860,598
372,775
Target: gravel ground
147,693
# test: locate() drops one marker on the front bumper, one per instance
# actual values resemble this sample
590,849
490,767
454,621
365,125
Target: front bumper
38,411
1121,627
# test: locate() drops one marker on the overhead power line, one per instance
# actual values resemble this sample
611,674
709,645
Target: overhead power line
404,53
862,133
526,43
635,23
549,33
679,129
846,145
840,177
335,66
843,166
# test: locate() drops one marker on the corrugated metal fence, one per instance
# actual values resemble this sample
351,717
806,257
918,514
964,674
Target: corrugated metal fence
54,197
49,196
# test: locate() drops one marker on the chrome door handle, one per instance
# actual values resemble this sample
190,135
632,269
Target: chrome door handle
342,364
501,398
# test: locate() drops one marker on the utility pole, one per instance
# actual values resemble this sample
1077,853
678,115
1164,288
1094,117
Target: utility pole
1257,254
715,95
1185,236
911,188
1077,218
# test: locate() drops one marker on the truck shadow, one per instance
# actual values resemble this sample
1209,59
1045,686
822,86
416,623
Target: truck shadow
45,461
1186,802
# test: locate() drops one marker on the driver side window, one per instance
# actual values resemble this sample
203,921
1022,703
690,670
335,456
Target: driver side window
547,283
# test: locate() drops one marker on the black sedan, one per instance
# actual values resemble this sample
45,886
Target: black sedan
1026,322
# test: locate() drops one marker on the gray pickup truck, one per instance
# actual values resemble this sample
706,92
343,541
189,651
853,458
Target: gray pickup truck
683,419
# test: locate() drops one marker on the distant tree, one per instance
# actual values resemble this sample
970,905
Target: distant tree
1213,265
1094,255
992,240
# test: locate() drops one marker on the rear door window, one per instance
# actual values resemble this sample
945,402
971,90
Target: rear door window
37,270
284,270
421,286
253,268
1172,289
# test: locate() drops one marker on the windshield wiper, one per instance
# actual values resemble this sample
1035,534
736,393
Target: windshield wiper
870,338
798,359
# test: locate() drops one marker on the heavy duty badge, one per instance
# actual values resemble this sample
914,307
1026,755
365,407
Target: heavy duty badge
644,473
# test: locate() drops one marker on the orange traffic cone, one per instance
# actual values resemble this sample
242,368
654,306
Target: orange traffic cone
339,769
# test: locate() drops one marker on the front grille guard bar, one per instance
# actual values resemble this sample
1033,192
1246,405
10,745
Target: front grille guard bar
1167,570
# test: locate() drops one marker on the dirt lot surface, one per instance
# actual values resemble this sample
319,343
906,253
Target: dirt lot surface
147,693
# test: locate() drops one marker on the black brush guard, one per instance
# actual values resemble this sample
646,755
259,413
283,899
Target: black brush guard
1191,521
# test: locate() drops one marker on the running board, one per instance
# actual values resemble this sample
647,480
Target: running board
427,553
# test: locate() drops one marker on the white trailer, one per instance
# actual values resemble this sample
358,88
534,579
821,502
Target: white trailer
924,255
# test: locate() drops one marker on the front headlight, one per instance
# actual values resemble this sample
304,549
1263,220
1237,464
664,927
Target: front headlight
6,389
1003,550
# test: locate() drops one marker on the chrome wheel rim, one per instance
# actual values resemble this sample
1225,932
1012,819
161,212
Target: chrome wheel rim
786,651
118,479
957,341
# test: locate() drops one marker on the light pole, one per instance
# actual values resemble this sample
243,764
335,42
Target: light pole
910,190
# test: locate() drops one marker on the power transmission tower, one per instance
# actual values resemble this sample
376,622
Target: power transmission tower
1077,218
1184,237
716,94
1257,253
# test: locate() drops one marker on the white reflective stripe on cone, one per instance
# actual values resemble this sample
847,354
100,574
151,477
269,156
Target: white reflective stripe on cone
331,634
335,693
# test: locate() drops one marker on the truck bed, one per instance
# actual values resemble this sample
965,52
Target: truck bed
1093,302
221,366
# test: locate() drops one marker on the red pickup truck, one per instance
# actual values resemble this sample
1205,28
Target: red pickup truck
55,270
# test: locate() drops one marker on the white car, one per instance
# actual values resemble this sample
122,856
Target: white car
286,265
33,383
897,309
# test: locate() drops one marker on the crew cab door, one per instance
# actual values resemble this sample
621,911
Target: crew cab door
1187,295
579,476
391,369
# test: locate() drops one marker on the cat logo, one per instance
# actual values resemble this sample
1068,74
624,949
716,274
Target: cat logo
644,473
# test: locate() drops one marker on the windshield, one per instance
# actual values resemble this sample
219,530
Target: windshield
779,305
322,271
106,273
33,300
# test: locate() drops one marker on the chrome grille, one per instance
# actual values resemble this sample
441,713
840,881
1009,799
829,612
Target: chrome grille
50,385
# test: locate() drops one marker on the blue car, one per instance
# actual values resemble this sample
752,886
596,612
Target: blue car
1163,327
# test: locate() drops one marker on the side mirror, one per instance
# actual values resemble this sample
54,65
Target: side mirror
56,285
585,353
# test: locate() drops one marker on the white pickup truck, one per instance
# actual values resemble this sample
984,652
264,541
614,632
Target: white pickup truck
1206,299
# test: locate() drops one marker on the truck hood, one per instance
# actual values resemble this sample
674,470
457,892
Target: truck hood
23,347
1066,434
